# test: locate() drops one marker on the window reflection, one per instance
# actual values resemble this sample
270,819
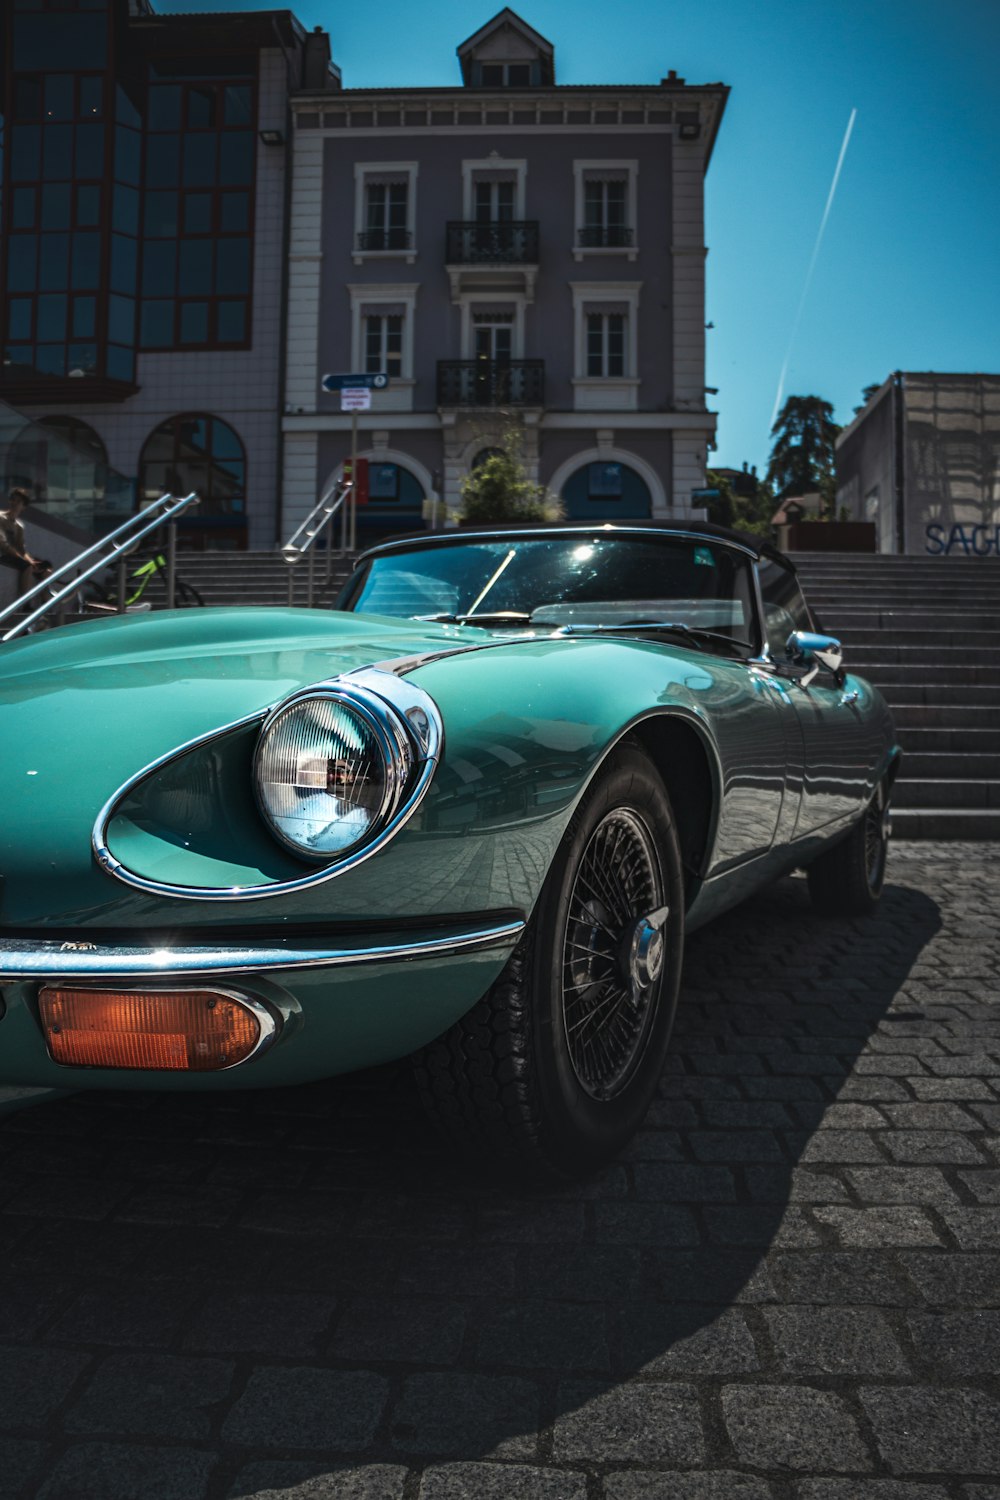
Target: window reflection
195,451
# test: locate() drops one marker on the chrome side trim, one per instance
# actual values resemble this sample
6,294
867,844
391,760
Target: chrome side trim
443,538
30,959
269,1028
406,707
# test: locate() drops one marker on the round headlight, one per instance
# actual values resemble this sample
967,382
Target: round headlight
329,772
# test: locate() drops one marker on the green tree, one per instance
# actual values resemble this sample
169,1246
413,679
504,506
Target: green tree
802,455
867,394
743,512
498,489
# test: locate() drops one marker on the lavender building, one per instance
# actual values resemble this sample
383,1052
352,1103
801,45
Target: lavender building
507,250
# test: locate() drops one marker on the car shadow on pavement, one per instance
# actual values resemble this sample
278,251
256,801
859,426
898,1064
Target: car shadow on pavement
259,1288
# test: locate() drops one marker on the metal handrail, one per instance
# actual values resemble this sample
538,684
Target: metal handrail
316,522
98,555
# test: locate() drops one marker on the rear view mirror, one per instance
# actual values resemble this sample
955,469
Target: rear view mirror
815,651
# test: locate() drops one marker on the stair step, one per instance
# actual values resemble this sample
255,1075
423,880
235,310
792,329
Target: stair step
949,717
945,823
919,739
946,793
970,765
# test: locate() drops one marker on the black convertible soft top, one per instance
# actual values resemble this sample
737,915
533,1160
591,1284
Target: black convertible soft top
758,545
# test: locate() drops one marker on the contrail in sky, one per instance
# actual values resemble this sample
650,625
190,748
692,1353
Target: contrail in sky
812,263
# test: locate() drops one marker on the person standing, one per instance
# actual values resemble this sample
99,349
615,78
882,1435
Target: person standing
13,549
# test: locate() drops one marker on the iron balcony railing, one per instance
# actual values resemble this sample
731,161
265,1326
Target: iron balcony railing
488,382
514,243
604,237
384,239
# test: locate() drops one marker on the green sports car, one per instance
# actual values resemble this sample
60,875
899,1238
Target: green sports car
467,816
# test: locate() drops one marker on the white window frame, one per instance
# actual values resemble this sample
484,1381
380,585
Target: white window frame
470,302
398,396
630,171
518,170
363,171
605,392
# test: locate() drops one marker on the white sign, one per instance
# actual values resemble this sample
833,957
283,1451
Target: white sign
354,399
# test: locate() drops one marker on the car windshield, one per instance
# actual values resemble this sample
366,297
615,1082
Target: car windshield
552,581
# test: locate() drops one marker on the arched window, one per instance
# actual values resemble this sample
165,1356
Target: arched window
606,491
483,455
392,484
196,452
64,464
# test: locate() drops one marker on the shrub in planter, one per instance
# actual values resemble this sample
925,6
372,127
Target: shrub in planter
499,490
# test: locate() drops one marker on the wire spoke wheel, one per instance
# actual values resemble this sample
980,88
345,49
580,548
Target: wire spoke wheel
876,836
613,953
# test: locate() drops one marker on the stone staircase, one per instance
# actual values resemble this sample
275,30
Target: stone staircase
926,633
259,578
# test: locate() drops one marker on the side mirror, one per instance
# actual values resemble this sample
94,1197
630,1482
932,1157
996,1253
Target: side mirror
815,651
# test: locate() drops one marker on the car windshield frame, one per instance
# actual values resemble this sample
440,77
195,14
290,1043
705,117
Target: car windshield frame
698,614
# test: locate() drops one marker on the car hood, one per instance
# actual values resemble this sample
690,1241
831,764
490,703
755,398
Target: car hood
84,708
229,661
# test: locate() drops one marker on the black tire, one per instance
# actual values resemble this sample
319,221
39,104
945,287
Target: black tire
554,1069
847,880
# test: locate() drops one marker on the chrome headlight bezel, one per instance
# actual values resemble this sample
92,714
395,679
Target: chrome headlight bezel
408,717
383,726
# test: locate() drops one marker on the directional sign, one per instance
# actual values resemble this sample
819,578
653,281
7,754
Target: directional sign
370,382
355,400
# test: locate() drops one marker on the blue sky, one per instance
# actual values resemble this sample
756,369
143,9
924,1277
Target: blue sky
908,273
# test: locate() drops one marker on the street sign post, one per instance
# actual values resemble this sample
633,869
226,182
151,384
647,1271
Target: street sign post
376,380
355,395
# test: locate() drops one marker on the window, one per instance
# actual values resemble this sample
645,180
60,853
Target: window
59,161
605,206
196,248
604,212
605,329
494,202
65,462
382,334
785,608
606,489
511,75
384,343
384,208
385,217
199,452
606,344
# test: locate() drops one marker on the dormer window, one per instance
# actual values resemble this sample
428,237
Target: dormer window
505,75
507,53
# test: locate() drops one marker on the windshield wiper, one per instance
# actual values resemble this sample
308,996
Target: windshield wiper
497,617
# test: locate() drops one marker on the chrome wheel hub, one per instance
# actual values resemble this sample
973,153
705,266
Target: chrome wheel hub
646,950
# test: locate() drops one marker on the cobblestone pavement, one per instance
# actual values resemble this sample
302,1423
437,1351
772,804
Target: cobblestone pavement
789,1290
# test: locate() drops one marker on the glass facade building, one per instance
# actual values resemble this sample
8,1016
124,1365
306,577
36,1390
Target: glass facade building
140,156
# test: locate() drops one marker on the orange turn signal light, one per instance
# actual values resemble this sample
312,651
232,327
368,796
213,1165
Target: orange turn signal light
198,1031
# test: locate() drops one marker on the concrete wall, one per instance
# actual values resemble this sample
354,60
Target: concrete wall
943,446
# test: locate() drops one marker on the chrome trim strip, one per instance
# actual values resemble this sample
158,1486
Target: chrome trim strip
410,708
269,1028
30,959
440,538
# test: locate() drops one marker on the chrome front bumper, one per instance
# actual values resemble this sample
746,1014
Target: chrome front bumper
31,958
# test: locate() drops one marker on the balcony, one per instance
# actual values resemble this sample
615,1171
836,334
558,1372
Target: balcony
514,243
383,239
604,237
487,382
